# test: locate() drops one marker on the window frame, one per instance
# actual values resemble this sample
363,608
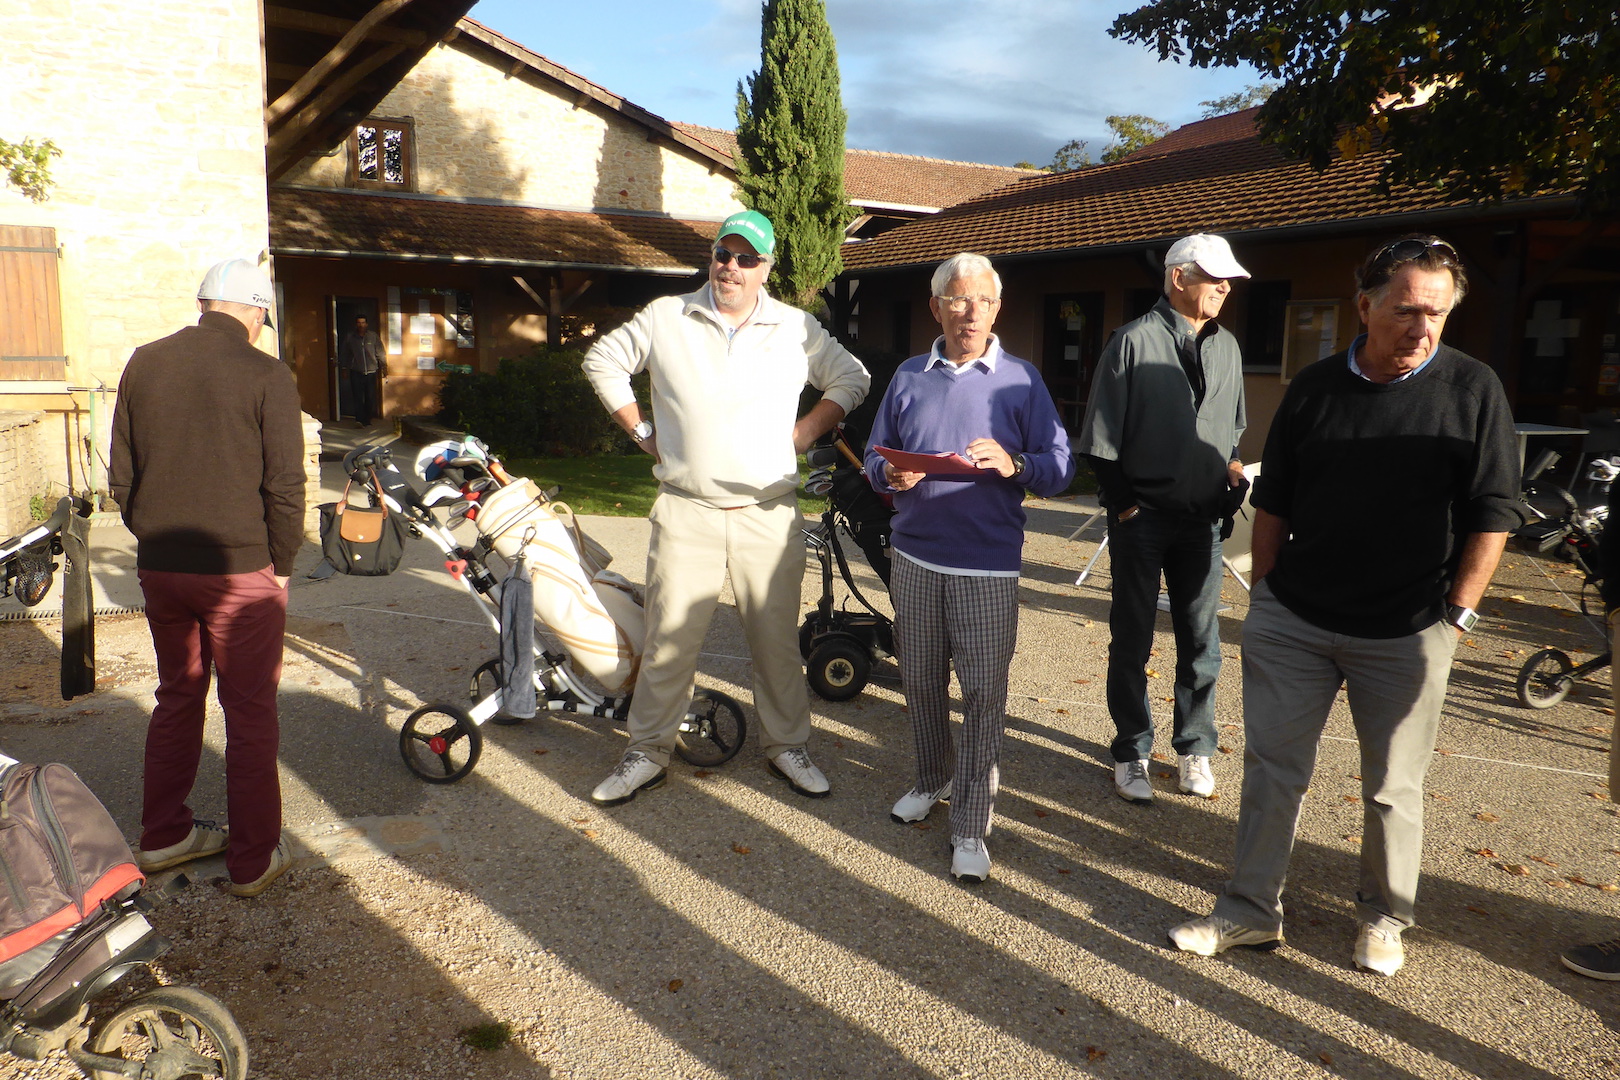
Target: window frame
407,128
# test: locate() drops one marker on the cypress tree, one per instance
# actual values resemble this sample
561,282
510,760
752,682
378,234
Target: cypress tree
790,139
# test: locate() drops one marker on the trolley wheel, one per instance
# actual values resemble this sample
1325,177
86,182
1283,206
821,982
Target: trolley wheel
485,681
807,633
838,668
713,731
440,743
174,1031
1544,680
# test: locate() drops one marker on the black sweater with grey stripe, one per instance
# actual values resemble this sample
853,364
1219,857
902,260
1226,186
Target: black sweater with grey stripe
1381,483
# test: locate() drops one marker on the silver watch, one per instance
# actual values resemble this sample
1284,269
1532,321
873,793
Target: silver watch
1463,618
642,431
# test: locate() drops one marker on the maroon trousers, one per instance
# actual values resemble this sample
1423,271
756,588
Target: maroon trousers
232,624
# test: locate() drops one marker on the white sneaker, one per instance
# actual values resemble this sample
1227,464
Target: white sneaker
914,805
1194,776
1131,781
794,766
1380,950
970,859
205,838
635,772
1213,934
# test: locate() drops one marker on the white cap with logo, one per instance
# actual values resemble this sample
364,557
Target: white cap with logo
238,281
1212,254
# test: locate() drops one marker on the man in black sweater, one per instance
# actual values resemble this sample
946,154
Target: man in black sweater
208,470
1386,493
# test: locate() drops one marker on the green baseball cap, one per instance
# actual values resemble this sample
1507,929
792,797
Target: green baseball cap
753,227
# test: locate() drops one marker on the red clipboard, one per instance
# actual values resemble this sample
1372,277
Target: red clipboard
906,461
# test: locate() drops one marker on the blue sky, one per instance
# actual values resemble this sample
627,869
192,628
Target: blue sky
994,81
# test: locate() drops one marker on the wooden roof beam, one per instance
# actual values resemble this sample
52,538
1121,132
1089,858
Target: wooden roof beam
293,19
334,56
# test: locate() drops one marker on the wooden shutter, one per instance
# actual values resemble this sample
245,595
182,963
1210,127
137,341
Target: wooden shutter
30,306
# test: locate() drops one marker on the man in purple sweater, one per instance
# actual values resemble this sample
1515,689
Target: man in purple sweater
958,541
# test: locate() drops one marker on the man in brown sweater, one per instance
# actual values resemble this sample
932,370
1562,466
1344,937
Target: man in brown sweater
207,467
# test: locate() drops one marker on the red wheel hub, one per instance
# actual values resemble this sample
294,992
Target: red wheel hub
438,745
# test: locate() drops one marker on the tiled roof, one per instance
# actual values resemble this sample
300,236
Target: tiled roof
309,221
876,178
1211,176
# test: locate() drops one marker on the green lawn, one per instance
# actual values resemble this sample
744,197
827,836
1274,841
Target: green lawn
622,485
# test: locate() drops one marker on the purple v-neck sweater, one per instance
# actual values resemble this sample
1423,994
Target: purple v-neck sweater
969,522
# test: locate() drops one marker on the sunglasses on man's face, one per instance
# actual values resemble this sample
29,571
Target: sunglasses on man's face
724,255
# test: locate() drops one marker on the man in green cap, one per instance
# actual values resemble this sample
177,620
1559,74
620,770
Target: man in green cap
728,364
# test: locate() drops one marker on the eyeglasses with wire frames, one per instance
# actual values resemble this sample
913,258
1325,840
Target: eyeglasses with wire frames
1406,250
957,305
745,260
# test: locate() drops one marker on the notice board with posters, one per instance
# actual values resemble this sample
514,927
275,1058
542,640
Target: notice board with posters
1312,334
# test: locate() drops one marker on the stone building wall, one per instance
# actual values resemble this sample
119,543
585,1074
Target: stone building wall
21,468
158,111
481,133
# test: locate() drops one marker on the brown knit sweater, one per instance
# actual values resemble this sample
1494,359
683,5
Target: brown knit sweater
207,453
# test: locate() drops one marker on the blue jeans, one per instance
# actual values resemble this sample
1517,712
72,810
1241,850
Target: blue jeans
1188,552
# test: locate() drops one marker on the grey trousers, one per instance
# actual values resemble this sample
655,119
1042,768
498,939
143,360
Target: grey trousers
973,621
1291,672
693,550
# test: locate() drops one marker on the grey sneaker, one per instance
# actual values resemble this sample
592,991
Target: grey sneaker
1194,776
1599,961
281,861
1131,782
1380,950
970,859
635,772
1213,934
794,766
914,805
206,838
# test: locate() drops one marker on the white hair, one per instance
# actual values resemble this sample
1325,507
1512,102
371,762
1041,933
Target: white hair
963,264
1172,268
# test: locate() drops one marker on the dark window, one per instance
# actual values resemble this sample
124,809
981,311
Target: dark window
1138,302
1267,324
900,327
380,155
1070,344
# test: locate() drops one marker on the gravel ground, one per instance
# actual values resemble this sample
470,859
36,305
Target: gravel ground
722,927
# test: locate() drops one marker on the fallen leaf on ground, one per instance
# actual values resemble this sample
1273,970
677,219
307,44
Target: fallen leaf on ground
1608,886
1443,753
589,834
1063,870
1229,727
922,826
580,820
1061,712
701,773
1353,839
1477,910
1437,795
1515,869
1543,860
1040,813
1484,852
1352,798
1152,674
1094,1054
1557,883
675,984
1082,682
1327,1059
739,849
1576,879
1224,749
542,751
1486,816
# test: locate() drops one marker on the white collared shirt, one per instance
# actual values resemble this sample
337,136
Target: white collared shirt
992,353
1355,367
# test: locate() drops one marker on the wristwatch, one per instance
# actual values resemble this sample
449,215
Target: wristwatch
642,431
1463,618
1020,463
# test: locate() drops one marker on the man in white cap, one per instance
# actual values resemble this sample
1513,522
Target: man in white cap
208,471
727,366
1162,426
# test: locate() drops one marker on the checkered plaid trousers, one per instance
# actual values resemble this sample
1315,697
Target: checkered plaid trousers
973,622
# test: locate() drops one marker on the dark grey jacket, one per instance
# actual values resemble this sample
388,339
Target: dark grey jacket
1172,447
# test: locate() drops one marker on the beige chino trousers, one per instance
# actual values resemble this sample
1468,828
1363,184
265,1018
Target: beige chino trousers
693,548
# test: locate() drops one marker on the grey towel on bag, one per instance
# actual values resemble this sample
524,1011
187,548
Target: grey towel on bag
517,641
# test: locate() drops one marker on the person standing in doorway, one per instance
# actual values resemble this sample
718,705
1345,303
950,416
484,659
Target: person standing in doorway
361,355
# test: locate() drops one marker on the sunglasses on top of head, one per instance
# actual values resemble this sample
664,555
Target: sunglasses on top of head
746,261
1406,250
